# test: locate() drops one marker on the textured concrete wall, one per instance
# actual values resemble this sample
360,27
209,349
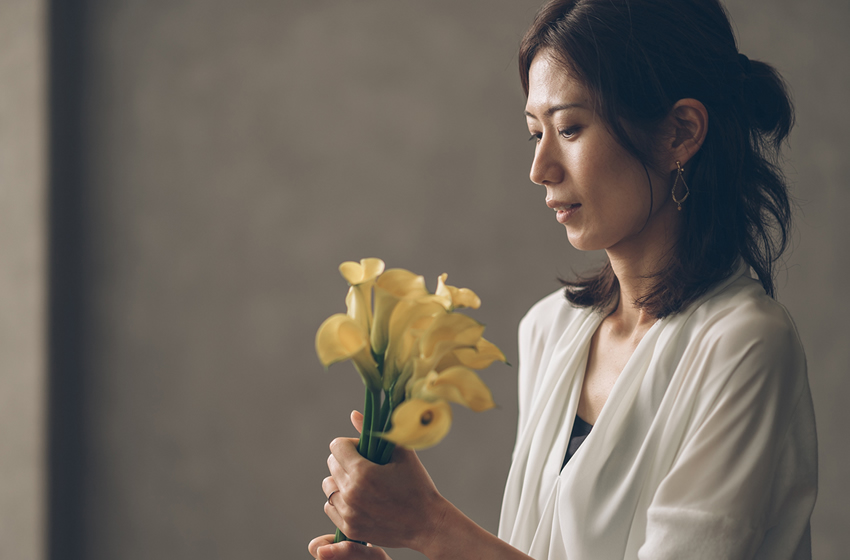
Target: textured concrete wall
22,278
236,152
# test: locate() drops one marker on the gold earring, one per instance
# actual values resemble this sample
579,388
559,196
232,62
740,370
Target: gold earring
680,176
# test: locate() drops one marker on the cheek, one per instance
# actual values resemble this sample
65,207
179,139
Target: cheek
634,190
624,206
620,191
614,183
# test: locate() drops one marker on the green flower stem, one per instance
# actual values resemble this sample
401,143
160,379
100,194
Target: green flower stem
386,412
386,454
366,432
383,456
374,426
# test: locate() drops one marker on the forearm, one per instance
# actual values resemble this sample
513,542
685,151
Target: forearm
457,537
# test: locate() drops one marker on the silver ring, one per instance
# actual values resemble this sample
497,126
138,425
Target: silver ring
331,496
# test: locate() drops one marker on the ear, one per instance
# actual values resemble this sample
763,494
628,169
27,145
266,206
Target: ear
688,122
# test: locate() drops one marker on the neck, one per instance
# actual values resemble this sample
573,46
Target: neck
635,264
634,284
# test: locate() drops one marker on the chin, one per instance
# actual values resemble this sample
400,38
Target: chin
583,243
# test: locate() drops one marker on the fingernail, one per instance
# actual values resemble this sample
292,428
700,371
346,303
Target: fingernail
326,552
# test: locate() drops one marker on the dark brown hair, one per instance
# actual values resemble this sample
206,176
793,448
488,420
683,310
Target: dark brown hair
638,58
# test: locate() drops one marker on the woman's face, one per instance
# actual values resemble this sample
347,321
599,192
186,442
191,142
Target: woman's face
600,192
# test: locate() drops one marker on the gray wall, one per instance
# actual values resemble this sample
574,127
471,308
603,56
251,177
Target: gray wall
230,154
22,279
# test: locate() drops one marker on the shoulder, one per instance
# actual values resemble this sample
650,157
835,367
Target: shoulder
551,326
740,342
552,314
741,316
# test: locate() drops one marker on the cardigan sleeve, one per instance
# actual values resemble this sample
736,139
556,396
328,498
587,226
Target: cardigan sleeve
743,483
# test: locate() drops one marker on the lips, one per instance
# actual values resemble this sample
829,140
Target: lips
563,210
558,205
564,207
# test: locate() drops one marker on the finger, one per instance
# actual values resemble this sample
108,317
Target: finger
314,545
333,513
351,551
357,421
329,486
338,473
345,452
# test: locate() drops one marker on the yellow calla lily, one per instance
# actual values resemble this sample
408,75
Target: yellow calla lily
454,328
445,333
480,357
361,276
393,286
364,271
357,305
457,384
417,424
455,298
341,338
408,321
398,386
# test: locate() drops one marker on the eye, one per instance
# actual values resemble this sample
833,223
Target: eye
535,136
569,132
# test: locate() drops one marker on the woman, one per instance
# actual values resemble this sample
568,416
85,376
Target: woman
664,404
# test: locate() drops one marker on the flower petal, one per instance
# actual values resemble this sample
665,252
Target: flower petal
341,338
460,385
446,333
443,292
359,306
361,276
364,271
450,359
464,297
484,354
417,424
409,320
391,287
398,386
408,317
456,297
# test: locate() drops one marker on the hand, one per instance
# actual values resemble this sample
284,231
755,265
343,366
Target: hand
324,549
394,505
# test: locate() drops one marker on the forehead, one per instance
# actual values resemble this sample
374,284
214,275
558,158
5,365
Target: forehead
550,84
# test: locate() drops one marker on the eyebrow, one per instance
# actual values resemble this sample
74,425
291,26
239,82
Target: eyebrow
555,108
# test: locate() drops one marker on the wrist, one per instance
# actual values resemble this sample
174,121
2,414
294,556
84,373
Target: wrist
434,528
451,534
457,537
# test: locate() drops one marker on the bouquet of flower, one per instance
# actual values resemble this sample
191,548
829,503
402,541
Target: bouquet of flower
414,352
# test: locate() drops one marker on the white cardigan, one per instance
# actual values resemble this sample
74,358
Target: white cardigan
705,449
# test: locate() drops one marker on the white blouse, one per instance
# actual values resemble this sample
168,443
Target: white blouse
705,449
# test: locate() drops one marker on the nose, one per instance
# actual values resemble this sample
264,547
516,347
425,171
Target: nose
546,167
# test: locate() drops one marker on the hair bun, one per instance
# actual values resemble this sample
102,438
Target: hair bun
767,101
745,63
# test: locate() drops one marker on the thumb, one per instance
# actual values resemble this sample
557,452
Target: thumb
357,421
351,551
